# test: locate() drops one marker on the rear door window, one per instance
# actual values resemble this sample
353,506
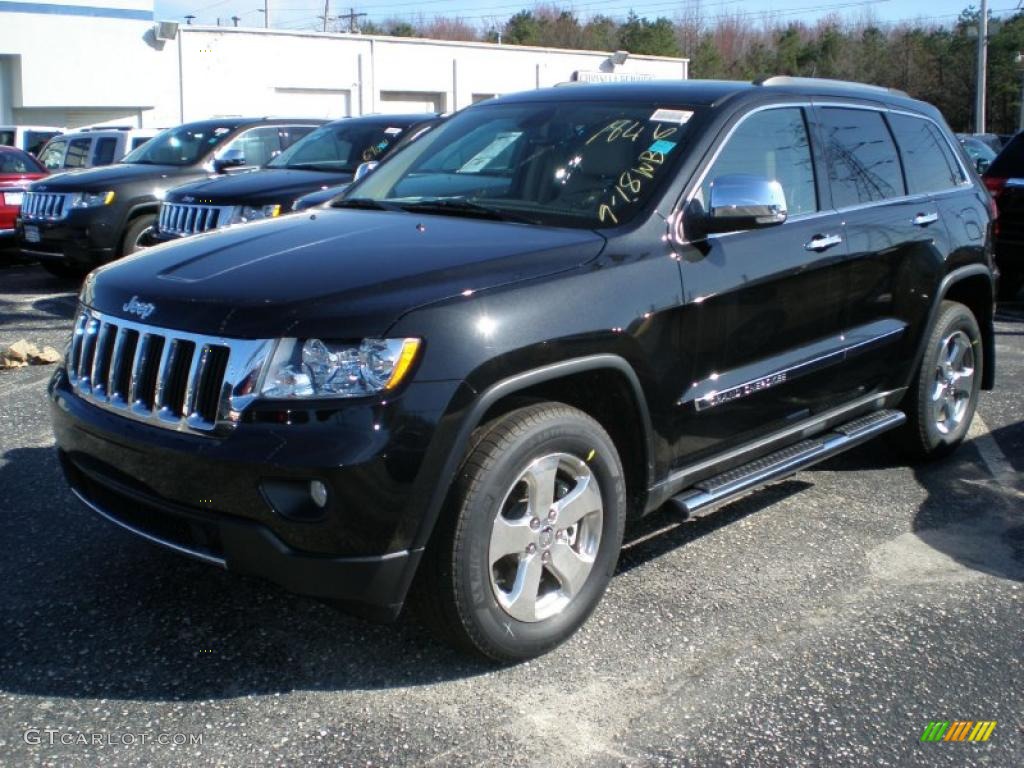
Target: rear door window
928,161
289,134
78,153
863,165
104,152
258,145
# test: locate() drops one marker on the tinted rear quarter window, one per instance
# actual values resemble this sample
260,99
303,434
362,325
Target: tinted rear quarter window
863,164
927,159
104,153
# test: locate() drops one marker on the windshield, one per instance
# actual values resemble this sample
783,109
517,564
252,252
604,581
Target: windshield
52,155
339,148
578,164
184,145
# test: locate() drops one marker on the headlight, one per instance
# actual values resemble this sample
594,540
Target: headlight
315,368
91,199
244,213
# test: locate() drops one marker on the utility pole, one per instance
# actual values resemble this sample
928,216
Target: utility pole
266,13
236,19
327,13
979,102
351,16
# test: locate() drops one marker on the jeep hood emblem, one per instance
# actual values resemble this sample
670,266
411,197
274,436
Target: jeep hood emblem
141,308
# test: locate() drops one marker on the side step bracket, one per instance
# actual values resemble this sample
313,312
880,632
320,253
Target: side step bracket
701,498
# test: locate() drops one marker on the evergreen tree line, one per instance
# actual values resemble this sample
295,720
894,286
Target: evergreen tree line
934,62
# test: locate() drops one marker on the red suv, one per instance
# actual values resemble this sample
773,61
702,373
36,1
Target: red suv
17,169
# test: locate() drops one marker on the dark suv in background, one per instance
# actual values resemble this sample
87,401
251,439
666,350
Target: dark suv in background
75,221
554,312
325,158
1004,178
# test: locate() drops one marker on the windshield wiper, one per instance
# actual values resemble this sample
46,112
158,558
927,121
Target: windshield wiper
456,206
367,204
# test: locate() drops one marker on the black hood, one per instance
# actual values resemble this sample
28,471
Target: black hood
337,273
110,176
262,187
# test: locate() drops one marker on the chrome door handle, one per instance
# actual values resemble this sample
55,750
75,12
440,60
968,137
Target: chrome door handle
823,242
924,219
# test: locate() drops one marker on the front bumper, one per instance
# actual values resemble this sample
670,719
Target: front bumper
207,497
86,237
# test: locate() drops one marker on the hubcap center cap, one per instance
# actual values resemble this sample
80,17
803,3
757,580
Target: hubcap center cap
547,536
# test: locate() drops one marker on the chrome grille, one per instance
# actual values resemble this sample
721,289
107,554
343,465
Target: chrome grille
181,219
46,206
164,377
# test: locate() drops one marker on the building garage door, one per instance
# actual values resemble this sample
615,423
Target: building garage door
410,102
312,102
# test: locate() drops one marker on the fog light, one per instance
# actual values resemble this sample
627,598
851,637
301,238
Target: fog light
318,492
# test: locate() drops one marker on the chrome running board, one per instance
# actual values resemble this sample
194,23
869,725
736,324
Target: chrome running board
701,498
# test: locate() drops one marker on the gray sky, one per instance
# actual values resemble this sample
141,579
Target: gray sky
303,14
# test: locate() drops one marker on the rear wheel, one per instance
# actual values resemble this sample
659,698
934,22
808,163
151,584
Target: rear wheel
137,235
944,394
532,541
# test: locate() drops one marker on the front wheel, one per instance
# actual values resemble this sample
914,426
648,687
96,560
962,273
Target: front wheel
137,236
944,395
532,541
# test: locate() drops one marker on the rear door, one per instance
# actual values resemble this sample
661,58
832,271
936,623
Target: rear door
935,170
763,309
896,243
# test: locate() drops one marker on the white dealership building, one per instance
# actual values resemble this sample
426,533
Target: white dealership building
72,63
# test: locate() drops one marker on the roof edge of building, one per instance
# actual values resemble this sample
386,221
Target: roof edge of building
415,41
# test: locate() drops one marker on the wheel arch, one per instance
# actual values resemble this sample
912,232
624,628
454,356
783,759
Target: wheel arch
544,383
974,287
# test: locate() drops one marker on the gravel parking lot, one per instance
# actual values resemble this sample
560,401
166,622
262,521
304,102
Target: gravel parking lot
824,620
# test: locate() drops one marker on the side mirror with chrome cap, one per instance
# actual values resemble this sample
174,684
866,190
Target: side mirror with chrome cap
229,158
364,168
741,201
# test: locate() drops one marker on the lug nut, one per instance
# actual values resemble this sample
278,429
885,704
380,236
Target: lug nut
535,523
552,515
546,557
531,548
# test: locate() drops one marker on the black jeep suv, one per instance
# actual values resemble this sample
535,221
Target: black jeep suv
74,221
550,314
325,158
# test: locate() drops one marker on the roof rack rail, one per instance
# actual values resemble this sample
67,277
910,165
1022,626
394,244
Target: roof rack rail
784,80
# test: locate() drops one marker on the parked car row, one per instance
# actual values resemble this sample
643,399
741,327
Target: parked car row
195,178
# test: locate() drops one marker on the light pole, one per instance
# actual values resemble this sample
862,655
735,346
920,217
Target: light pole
979,97
1019,61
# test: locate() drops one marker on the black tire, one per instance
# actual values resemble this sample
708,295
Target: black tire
65,270
456,587
134,236
1010,285
924,436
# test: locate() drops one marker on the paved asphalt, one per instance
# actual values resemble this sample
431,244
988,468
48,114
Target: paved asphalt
823,621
